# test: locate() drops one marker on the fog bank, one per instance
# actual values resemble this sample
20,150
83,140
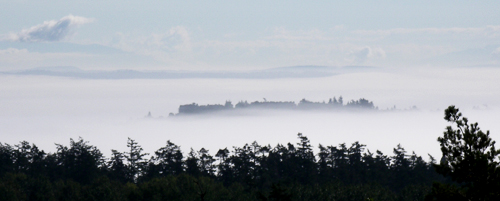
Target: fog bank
47,110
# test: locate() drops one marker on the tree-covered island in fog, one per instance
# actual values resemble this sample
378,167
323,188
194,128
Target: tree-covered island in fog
332,104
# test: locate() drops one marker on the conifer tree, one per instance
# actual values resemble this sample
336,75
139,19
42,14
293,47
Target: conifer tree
135,158
469,158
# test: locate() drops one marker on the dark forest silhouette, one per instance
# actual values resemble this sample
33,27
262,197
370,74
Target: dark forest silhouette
332,104
469,170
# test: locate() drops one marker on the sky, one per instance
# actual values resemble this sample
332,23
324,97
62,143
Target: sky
428,54
247,35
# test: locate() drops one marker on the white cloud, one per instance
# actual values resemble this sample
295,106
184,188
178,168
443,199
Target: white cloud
362,55
53,30
185,41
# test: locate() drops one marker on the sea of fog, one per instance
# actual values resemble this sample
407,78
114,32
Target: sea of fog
46,110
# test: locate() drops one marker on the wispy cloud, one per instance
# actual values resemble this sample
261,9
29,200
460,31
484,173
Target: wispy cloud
175,39
17,59
11,51
281,33
496,54
172,46
489,31
53,30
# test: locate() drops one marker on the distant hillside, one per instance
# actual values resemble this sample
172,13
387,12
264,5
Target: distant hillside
272,73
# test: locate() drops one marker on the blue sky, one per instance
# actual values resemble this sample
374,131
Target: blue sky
247,35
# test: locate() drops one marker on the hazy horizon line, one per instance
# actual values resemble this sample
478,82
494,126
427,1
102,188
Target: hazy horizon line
301,71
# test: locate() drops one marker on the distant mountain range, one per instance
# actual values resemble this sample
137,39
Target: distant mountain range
272,73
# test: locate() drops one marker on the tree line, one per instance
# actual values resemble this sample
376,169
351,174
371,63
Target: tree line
332,104
289,171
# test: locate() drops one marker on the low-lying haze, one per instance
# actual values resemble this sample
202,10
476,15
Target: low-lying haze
45,110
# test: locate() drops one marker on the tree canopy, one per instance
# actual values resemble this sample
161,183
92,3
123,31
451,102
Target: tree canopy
469,158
